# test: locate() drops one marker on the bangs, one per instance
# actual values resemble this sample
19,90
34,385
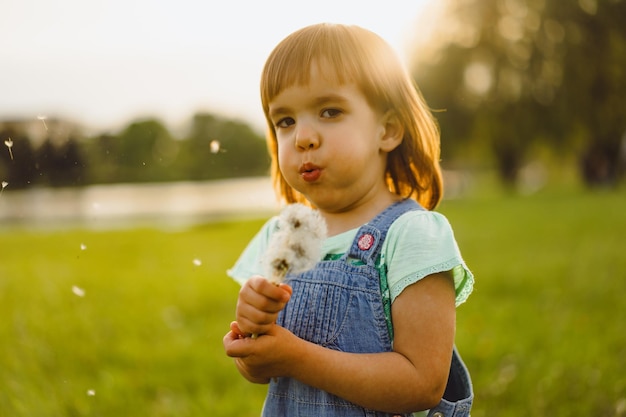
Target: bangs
338,51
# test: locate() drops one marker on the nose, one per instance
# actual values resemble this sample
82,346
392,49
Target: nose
306,136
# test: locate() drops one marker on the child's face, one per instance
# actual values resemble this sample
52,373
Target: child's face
332,145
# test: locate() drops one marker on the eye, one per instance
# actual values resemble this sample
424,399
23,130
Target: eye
285,122
330,113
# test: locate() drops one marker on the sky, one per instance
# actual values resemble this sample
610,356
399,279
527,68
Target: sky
105,63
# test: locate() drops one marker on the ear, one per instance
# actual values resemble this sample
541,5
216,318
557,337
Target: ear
392,132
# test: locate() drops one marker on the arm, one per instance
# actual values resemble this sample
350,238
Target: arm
412,377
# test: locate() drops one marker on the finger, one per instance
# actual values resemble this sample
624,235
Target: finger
227,341
237,347
268,289
248,328
261,301
246,312
234,327
287,288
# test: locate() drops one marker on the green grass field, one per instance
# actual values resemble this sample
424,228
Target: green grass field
130,323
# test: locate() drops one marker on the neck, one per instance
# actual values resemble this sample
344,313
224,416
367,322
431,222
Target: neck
355,216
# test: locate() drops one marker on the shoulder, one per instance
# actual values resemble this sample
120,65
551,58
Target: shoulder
420,243
420,224
419,239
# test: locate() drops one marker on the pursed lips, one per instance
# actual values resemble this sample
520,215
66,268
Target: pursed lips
310,172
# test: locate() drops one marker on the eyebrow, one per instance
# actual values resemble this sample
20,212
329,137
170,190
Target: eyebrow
316,102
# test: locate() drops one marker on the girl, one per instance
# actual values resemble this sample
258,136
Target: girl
370,330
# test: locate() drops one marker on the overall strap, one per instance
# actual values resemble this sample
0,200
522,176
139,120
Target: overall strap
370,237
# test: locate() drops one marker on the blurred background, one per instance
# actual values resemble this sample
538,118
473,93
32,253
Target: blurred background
135,128
136,92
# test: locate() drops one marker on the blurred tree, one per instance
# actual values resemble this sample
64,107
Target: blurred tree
142,152
47,163
594,80
60,165
221,148
101,164
511,72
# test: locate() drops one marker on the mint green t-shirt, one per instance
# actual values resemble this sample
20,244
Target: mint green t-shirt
419,243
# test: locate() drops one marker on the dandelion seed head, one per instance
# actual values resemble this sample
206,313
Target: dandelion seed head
215,146
79,292
197,262
297,243
4,184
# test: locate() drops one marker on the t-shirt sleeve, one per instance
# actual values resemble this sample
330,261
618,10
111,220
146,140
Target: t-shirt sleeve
421,243
250,260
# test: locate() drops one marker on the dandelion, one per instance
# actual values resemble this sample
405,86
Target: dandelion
79,292
9,144
43,120
91,392
197,262
296,246
83,246
215,146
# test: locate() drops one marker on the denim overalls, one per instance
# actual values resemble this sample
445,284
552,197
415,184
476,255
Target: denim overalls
339,305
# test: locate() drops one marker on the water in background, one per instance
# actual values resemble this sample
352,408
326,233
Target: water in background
169,205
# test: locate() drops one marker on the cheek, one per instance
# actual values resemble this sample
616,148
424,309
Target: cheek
285,157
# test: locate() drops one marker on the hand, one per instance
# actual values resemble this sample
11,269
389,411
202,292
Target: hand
260,359
258,305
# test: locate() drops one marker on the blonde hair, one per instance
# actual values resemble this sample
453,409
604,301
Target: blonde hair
351,54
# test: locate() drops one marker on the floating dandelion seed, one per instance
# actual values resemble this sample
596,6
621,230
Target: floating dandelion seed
4,185
83,246
91,392
9,144
215,146
197,262
79,292
43,120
